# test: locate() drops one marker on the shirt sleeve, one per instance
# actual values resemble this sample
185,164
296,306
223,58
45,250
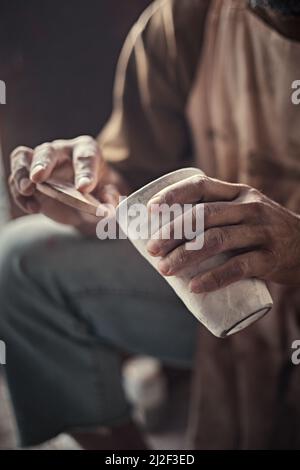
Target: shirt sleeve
147,134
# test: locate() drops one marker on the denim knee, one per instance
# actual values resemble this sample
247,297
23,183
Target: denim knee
17,240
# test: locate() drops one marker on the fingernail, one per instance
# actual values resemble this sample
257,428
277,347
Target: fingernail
37,169
83,182
196,290
25,184
197,287
164,267
152,248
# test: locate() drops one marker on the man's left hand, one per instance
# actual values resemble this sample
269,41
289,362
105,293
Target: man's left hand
263,236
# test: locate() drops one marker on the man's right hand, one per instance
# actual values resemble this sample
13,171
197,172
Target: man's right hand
77,161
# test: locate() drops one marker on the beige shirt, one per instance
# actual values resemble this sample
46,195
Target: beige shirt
246,129
148,133
214,89
248,124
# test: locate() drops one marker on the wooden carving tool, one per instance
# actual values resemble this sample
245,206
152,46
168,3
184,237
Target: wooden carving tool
68,194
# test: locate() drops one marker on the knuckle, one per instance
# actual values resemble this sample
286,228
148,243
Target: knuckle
85,161
42,153
181,256
256,207
211,239
86,142
253,191
240,267
247,191
61,145
215,280
85,139
45,147
254,194
211,210
222,237
18,164
21,149
59,142
200,181
19,159
216,239
86,150
245,187
168,197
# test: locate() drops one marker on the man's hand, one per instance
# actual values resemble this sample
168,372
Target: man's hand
77,161
262,236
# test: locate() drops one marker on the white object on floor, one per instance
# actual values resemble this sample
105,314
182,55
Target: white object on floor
145,387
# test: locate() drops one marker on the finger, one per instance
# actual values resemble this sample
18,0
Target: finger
216,240
58,211
110,195
87,163
198,188
20,166
27,204
213,214
251,264
44,160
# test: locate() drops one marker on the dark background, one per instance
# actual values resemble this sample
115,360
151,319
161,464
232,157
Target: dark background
58,60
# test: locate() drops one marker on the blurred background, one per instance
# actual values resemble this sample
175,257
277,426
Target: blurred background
58,61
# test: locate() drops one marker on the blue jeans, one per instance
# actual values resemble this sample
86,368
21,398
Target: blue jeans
70,308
